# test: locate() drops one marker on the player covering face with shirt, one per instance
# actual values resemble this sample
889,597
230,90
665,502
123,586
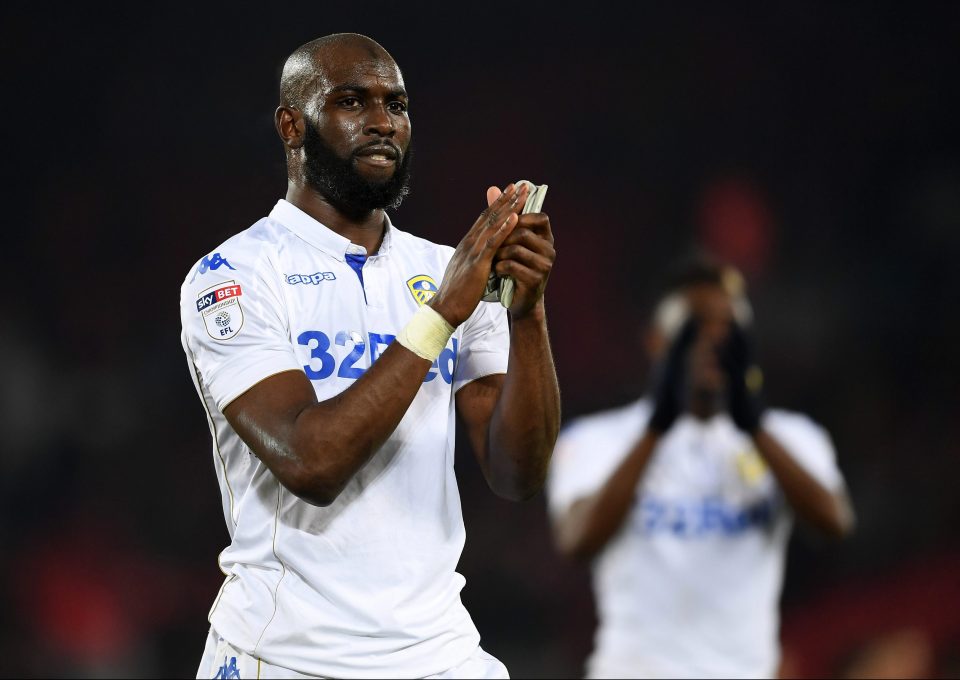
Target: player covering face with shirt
330,349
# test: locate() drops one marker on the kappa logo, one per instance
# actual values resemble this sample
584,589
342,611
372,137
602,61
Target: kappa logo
423,288
315,279
228,672
220,308
211,263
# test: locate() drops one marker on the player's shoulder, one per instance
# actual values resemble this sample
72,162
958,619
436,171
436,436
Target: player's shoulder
413,246
631,416
793,424
599,438
238,256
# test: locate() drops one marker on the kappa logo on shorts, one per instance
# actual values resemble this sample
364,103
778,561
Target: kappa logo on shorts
220,308
211,263
423,288
228,672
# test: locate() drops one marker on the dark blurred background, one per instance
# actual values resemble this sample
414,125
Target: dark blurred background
814,145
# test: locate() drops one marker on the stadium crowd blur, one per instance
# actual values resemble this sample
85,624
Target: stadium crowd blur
815,146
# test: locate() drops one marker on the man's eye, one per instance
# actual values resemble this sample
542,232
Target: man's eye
398,107
350,102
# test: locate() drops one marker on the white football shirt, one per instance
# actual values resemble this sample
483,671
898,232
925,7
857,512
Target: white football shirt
690,584
366,586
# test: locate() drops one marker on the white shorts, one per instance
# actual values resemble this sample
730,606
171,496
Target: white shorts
222,660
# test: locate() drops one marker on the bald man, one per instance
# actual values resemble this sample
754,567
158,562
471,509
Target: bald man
330,349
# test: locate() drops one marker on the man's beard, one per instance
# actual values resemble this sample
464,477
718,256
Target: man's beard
337,180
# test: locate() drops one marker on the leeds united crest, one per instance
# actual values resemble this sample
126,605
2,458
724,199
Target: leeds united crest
423,288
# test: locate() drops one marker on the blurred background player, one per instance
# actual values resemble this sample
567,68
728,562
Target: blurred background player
684,499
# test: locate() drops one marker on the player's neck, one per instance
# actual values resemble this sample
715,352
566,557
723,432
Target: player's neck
704,406
365,229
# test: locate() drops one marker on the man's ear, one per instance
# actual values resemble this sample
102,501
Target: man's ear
290,126
653,341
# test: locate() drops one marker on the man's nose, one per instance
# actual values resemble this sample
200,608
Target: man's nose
715,332
379,122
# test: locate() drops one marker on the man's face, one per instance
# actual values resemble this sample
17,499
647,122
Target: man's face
712,307
357,137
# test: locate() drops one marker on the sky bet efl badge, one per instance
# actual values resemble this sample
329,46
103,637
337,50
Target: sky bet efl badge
423,288
220,308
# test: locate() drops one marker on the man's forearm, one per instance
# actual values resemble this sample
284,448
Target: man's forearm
526,420
592,521
818,506
315,448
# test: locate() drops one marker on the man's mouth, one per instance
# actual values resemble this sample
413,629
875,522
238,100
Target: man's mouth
381,155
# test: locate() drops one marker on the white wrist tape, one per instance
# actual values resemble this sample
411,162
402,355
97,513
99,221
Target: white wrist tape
426,334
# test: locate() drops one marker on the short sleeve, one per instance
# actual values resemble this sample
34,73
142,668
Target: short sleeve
484,345
233,329
809,444
588,453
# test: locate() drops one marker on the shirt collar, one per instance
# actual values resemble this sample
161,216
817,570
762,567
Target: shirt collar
320,236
